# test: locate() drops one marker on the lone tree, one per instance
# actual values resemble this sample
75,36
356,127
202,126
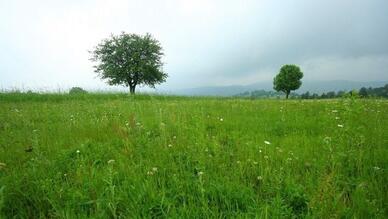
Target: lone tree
130,60
288,79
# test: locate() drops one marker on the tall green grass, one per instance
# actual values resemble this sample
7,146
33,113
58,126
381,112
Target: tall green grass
117,156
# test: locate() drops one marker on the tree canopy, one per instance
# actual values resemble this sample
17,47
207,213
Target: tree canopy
288,79
129,60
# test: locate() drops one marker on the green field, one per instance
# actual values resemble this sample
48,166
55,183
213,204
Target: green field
117,156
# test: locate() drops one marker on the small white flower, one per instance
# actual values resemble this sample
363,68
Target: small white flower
78,151
200,173
221,119
154,169
260,151
341,126
259,178
150,173
267,142
337,118
169,145
376,168
174,137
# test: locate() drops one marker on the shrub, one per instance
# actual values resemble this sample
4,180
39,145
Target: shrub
77,90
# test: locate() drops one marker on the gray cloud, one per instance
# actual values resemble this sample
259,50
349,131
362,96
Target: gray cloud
206,42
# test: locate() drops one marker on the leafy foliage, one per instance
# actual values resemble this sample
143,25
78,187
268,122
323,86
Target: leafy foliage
288,79
130,60
77,90
374,92
363,93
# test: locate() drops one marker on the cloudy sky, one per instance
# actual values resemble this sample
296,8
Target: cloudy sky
44,43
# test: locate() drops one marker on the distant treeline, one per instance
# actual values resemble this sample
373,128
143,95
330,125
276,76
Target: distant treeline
363,92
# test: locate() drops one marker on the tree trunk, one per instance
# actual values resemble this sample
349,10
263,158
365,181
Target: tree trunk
287,93
132,89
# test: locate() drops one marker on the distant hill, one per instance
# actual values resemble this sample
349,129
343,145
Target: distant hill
312,86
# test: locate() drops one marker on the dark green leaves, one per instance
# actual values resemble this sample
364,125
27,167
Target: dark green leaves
130,60
288,79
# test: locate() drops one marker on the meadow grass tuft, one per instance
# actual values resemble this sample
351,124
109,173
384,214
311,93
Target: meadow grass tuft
121,156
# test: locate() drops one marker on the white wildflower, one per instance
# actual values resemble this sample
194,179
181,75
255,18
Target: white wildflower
267,142
78,151
341,126
259,178
221,119
200,173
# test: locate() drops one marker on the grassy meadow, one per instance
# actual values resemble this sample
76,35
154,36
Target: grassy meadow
119,156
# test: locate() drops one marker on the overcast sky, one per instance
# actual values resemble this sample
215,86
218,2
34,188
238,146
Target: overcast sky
44,44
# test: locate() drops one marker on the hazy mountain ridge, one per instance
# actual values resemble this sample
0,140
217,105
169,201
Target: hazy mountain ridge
311,86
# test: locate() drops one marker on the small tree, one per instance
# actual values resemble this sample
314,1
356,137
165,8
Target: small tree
363,92
77,90
288,79
130,60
